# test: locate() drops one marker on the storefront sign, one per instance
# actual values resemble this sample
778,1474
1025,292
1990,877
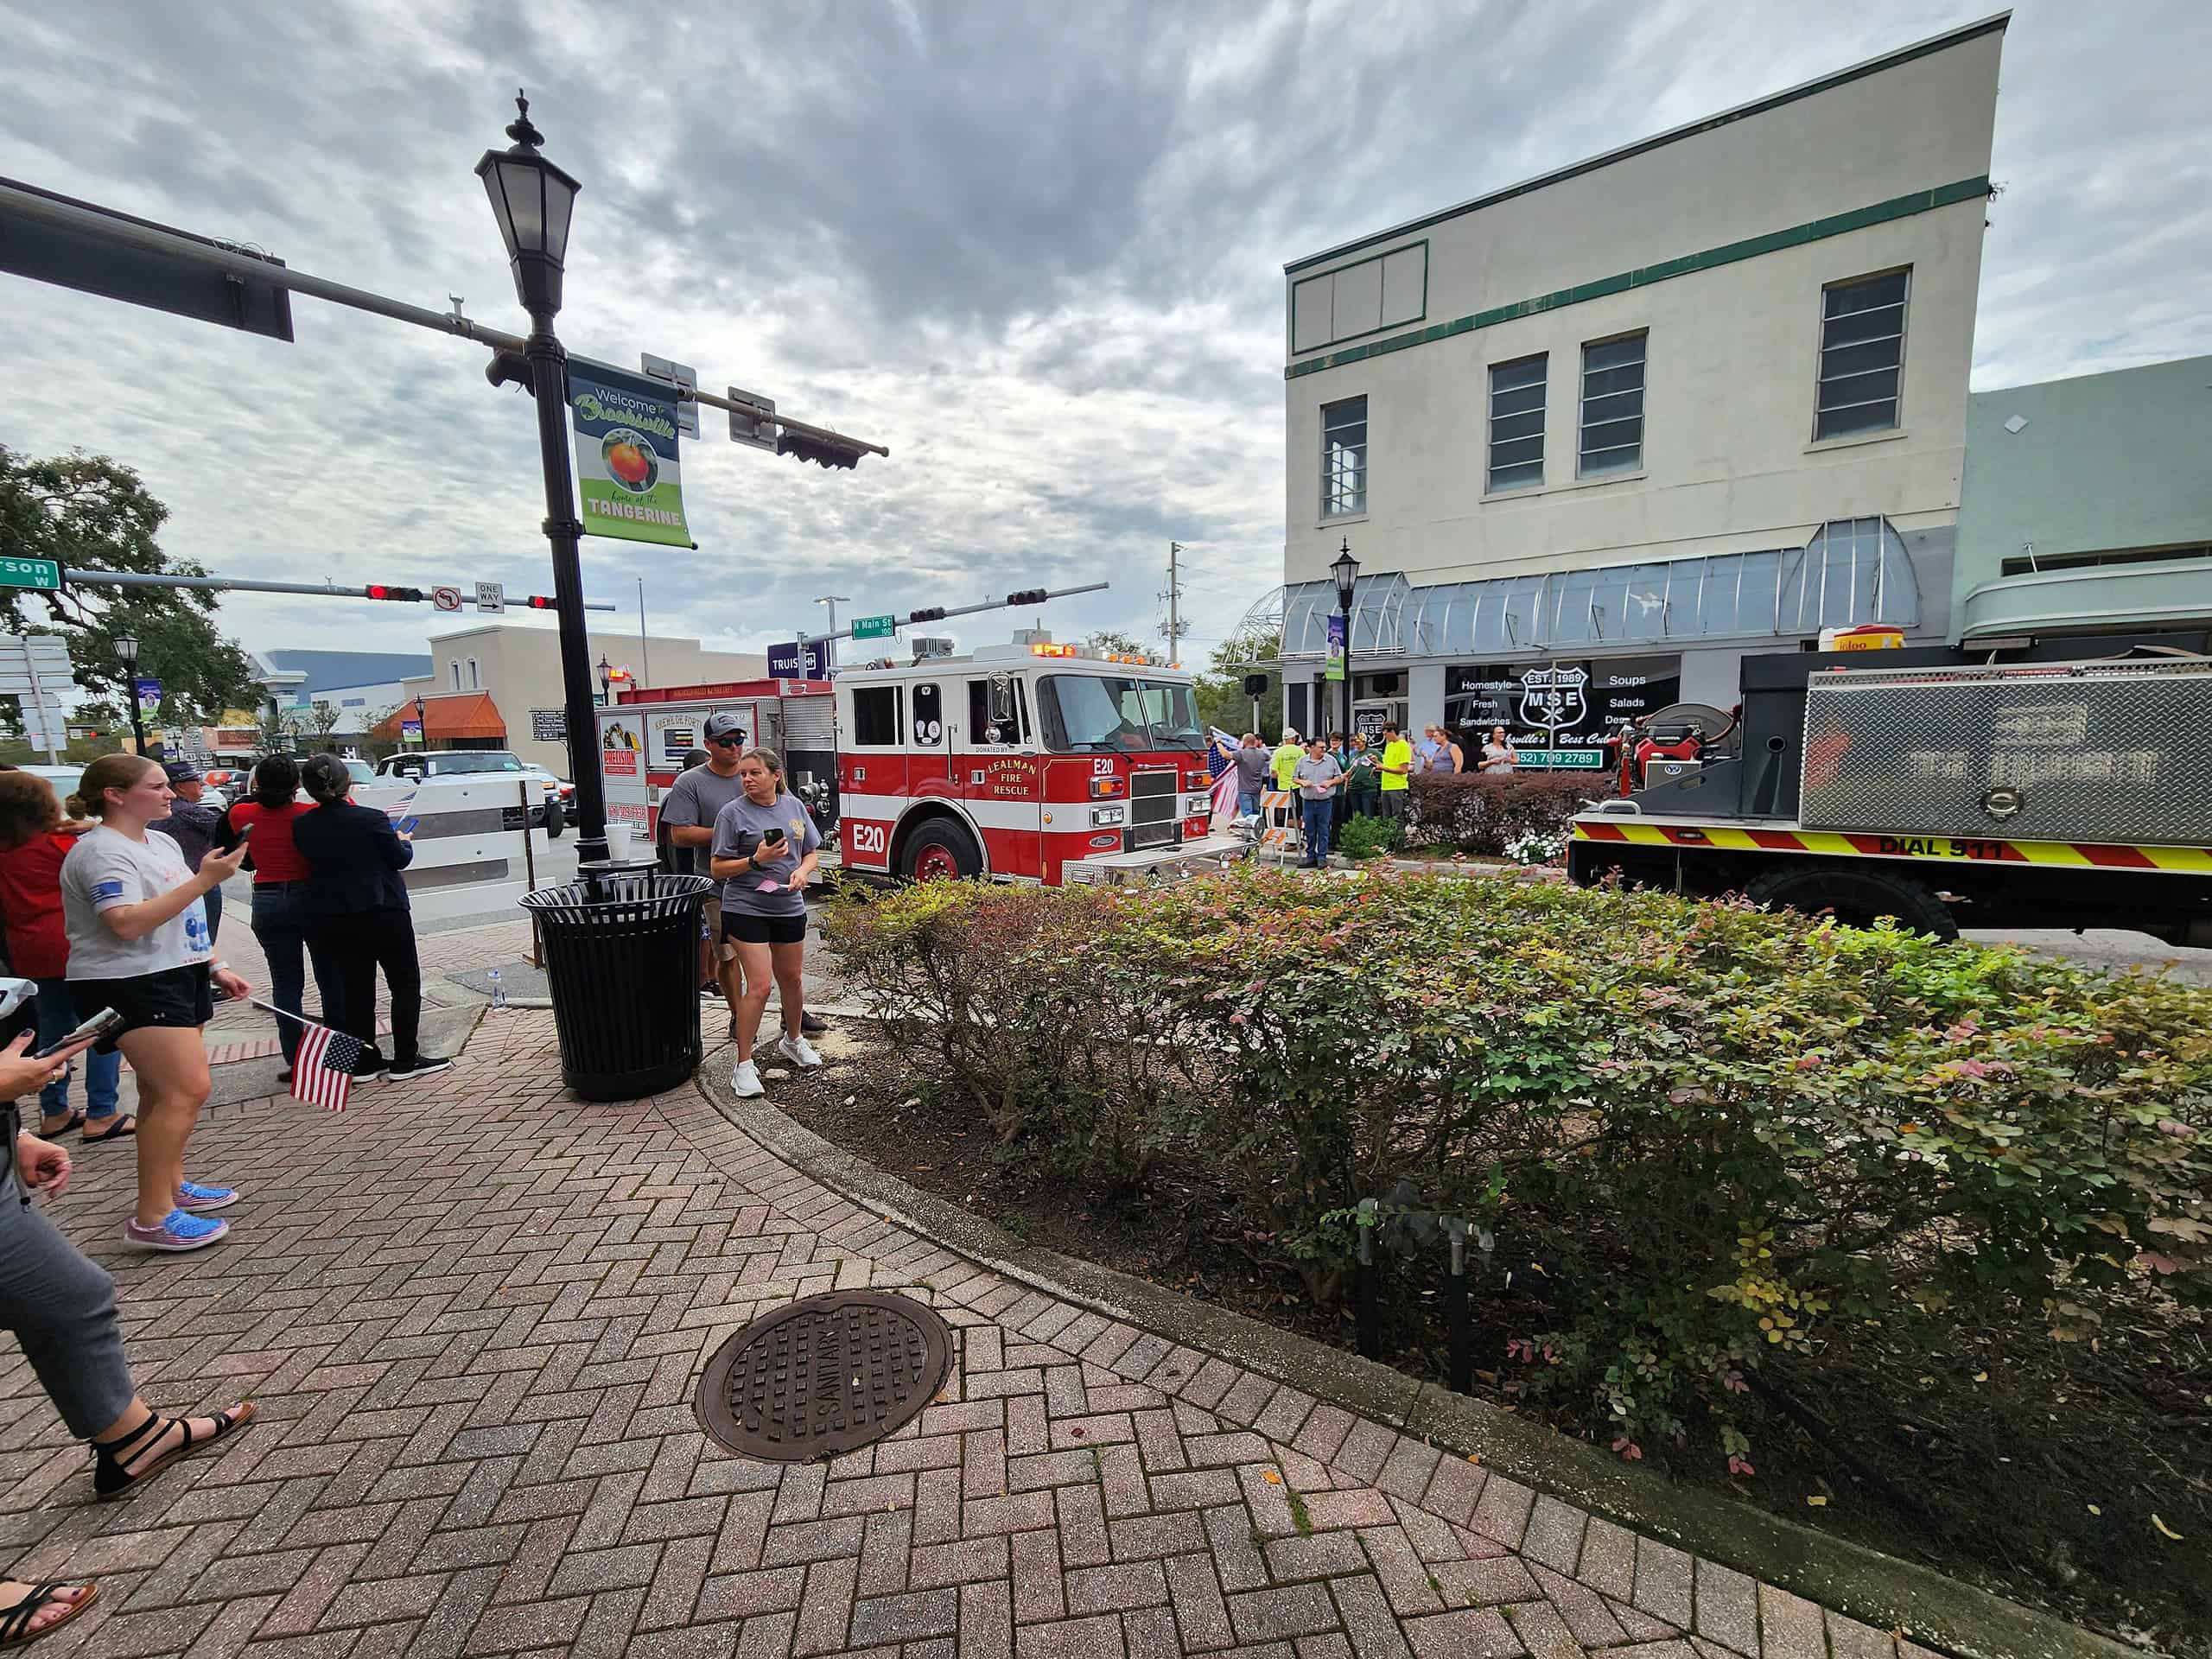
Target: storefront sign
1560,759
548,725
1559,706
620,747
627,469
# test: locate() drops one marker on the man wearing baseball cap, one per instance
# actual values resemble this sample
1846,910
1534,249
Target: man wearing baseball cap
191,824
687,813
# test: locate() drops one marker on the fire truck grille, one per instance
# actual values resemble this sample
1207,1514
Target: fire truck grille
1152,800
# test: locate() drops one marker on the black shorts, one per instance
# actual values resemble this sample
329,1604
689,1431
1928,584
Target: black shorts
175,996
742,928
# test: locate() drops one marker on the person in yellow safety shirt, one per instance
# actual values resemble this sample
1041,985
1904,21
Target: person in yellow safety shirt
1282,766
1396,764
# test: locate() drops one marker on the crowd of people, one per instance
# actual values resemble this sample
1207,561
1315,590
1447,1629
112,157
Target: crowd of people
1338,777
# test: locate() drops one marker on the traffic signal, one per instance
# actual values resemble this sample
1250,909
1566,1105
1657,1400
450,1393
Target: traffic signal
540,602
1027,596
378,590
936,613
814,450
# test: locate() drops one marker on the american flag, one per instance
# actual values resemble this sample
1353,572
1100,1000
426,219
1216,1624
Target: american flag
399,809
322,1074
1223,770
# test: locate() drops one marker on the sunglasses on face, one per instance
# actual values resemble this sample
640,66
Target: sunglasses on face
724,742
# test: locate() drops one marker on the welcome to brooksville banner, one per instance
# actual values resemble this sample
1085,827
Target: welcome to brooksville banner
626,469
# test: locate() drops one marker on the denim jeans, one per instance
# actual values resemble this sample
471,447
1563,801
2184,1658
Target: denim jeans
57,1015
1317,814
279,924
1248,801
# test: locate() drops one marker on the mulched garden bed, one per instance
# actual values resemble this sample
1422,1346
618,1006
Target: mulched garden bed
2061,1483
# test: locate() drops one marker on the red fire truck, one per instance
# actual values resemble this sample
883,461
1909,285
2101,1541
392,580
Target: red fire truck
1030,761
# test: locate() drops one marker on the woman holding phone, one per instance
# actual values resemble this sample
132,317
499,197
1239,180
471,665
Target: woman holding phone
765,851
139,943
358,915
60,1306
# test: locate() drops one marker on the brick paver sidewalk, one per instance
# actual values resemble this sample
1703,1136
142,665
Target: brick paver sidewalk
474,1312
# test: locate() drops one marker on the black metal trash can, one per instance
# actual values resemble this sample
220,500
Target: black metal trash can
622,958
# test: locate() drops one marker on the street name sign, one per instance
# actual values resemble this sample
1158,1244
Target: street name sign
875,627
784,661
42,573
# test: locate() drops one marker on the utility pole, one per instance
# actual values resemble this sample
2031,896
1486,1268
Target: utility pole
1175,598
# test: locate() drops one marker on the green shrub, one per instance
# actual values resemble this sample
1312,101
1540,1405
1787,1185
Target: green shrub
1726,1140
1361,839
1482,814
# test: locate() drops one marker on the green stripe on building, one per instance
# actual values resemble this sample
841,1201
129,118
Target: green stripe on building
1920,201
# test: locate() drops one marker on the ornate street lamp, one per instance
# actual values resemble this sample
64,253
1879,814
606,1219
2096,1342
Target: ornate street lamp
126,652
533,200
1345,569
422,723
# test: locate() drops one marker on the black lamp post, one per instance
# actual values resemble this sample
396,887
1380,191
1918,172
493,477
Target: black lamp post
422,723
605,678
126,652
532,199
1345,569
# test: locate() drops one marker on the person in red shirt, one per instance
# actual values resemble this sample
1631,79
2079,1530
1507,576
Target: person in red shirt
34,840
280,886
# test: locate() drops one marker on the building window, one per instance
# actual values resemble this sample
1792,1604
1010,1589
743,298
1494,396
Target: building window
1517,422
1344,458
472,682
1862,355
454,668
1612,407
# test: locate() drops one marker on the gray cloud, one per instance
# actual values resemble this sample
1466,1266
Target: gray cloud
1036,250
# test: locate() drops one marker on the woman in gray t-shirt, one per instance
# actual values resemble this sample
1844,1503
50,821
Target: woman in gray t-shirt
765,851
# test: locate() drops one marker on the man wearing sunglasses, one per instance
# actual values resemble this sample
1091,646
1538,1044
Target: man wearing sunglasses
687,813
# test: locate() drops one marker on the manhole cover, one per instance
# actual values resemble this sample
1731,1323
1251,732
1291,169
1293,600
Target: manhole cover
824,1376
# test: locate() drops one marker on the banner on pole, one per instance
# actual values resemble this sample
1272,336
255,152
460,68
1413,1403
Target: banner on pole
150,695
627,469
1336,669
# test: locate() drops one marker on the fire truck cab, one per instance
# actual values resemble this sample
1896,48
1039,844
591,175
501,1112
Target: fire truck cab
1028,761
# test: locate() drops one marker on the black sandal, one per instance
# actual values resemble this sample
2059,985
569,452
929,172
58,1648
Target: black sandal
76,1122
110,1480
126,1125
15,1621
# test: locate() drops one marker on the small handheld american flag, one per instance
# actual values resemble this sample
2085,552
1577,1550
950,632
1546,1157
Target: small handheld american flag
322,1074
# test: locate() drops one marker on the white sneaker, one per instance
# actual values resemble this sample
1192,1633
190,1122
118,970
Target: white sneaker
800,1052
745,1080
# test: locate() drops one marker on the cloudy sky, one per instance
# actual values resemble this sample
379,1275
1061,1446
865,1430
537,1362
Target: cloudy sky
1036,251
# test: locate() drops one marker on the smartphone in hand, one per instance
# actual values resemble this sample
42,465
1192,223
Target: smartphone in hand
100,1024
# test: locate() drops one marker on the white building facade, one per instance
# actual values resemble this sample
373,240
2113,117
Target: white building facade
1618,426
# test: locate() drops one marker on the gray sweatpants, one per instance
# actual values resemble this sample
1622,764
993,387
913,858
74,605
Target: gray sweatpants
60,1304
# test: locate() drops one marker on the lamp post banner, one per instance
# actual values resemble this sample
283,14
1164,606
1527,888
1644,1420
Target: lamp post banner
627,469
1336,668
149,695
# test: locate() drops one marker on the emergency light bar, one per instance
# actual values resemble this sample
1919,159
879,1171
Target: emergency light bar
1047,649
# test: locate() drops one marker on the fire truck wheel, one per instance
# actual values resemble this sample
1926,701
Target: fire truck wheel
941,851
1856,898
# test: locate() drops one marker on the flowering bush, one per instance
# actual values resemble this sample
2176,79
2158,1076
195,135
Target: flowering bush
1724,1140
1537,847
1481,814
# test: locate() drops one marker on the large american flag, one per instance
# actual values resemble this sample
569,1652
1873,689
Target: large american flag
322,1074
1223,770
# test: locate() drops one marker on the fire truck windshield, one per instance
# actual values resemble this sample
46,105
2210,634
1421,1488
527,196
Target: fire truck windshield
1097,714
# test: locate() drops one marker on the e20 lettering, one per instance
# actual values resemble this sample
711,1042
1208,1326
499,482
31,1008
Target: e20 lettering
870,838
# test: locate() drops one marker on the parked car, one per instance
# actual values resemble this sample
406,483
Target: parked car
549,813
566,790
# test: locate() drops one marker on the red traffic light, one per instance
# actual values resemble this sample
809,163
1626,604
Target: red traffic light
378,590
540,602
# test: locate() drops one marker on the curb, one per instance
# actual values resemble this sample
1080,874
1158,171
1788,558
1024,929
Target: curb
1933,1609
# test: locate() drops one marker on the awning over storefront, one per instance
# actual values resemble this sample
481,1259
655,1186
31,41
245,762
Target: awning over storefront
1853,570
448,720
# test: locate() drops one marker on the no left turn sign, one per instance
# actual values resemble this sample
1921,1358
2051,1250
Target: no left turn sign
445,598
